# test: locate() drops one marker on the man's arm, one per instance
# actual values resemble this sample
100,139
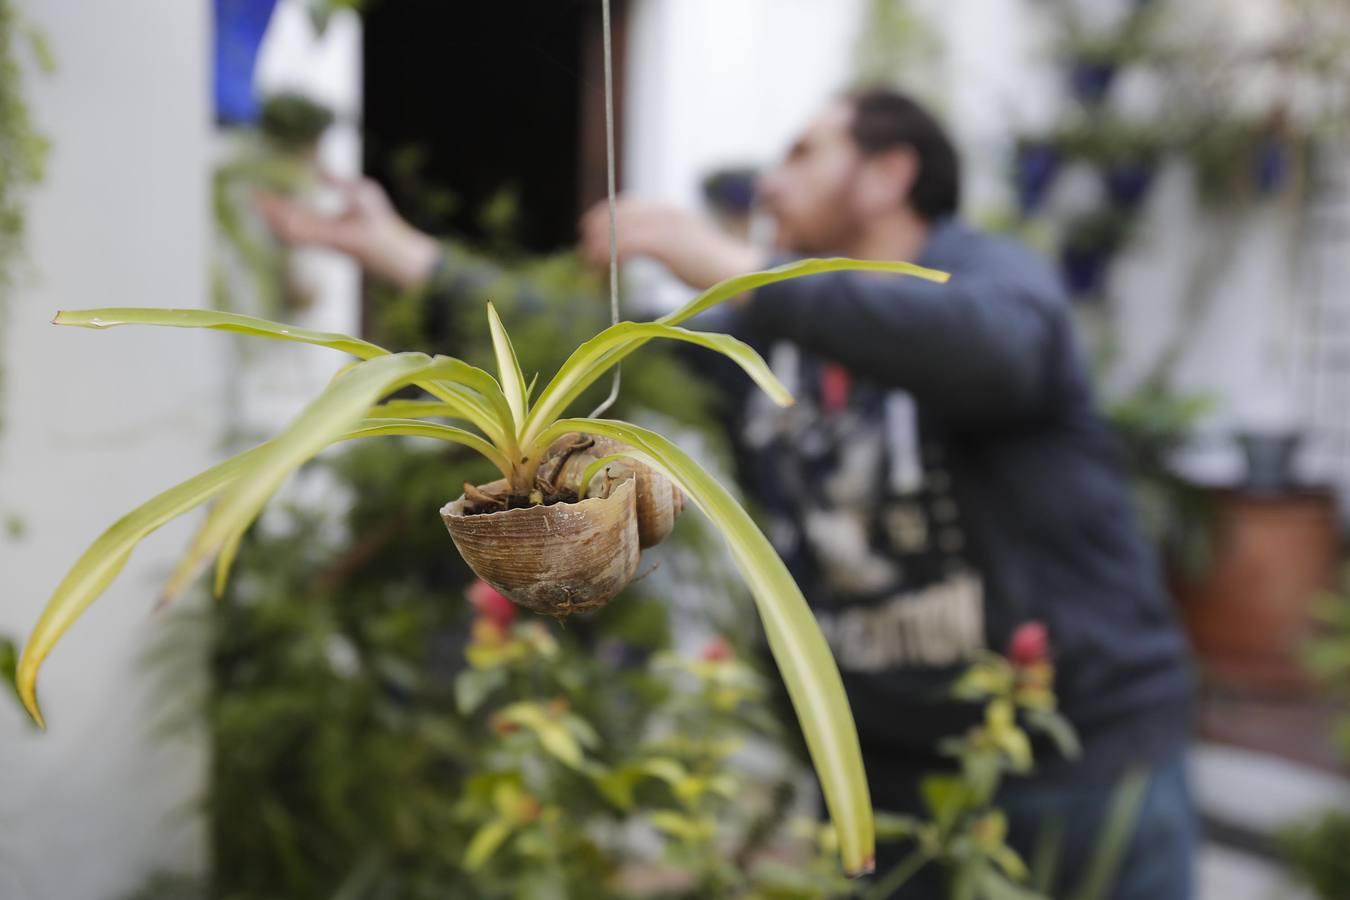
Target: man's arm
368,229
976,351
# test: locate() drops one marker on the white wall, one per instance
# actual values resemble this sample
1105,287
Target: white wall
97,423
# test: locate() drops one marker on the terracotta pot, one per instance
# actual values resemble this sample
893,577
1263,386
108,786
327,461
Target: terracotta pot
557,559
1250,614
659,502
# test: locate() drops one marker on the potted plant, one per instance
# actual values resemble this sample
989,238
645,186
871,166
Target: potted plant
548,518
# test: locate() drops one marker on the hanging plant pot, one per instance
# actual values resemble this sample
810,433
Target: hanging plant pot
1270,166
1037,166
1091,79
1127,182
659,503
1084,270
239,29
555,559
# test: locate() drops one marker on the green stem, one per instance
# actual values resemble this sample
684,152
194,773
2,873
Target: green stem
896,877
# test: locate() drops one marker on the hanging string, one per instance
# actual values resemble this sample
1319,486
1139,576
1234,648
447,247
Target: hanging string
613,204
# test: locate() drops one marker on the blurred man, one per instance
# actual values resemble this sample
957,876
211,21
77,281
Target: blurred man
943,479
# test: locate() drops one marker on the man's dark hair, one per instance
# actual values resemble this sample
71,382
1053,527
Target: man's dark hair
883,120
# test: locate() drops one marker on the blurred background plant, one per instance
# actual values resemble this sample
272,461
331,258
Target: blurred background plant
279,154
23,160
1314,849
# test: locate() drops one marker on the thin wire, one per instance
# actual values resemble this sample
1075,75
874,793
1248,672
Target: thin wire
613,206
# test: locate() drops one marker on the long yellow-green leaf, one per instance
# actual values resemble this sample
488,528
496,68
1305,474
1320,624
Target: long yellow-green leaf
803,656
509,375
219,321
414,409
105,558
440,409
484,405
333,412
733,287
391,427
595,357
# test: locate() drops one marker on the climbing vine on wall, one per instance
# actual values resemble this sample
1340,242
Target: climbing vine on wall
23,150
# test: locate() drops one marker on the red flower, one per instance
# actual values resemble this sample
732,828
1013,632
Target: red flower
1029,645
492,604
718,650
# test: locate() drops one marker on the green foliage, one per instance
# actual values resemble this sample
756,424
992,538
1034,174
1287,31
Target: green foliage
23,149
1314,850
250,273
965,834
1315,853
1153,422
895,46
294,121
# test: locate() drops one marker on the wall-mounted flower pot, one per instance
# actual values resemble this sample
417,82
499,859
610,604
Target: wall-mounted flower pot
239,29
1084,270
1127,182
1037,167
1271,165
1091,79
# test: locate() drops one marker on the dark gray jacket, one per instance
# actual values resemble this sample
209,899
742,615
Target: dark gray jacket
944,478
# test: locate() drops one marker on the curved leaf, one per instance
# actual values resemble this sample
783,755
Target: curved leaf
485,405
599,354
100,564
342,404
412,428
799,648
219,321
105,558
733,287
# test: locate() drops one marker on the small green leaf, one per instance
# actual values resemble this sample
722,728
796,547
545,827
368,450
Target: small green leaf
945,797
473,686
485,842
509,376
1057,728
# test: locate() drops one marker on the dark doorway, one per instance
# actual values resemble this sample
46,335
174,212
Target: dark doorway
464,100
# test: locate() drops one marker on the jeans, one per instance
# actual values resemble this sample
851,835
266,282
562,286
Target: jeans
1157,865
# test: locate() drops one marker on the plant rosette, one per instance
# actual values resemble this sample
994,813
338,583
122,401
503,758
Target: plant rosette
544,534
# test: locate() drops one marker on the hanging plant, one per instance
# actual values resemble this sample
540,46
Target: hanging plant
552,526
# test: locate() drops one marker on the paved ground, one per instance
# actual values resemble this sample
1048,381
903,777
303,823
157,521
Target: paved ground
1246,796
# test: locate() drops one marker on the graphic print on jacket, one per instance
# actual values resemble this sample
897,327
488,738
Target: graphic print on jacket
861,505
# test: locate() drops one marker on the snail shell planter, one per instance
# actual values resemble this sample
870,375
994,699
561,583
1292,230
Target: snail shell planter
565,557
559,533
